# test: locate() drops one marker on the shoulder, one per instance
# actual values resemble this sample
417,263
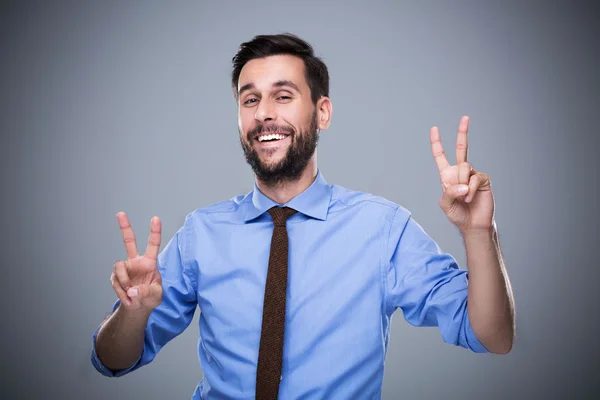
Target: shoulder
222,210
345,197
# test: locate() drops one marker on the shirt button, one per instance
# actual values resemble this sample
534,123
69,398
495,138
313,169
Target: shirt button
281,378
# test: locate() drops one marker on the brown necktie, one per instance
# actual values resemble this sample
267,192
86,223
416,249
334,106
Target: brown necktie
270,354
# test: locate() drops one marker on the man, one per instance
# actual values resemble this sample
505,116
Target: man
297,280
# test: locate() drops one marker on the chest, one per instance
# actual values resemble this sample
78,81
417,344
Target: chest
334,273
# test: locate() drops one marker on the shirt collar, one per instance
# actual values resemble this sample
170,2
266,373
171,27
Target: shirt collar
313,202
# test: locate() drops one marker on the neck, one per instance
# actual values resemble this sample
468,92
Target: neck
285,191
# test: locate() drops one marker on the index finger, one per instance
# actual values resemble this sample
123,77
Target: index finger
128,236
462,143
154,238
437,150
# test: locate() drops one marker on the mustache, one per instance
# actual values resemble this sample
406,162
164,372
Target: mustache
271,128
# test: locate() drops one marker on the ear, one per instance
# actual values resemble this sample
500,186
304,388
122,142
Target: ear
324,110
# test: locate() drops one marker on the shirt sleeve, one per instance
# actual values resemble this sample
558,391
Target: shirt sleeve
427,284
171,317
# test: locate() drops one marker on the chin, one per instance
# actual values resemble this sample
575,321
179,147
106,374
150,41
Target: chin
270,167
271,161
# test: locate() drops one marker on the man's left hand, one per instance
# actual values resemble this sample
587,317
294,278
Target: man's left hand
472,209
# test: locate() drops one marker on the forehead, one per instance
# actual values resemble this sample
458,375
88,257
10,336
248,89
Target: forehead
263,72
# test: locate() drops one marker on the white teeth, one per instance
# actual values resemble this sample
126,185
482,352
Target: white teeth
272,136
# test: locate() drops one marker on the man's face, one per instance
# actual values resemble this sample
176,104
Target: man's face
277,120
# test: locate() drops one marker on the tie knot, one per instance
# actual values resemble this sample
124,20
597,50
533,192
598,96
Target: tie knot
281,214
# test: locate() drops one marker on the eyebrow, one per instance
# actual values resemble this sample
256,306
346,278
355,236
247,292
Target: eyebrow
278,84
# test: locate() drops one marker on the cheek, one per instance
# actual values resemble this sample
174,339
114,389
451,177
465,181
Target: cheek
293,117
245,122
301,116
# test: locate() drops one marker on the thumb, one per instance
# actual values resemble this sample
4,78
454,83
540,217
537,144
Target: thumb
452,193
133,291
139,291
143,291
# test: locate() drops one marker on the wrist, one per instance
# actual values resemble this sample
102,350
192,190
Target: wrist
488,233
140,314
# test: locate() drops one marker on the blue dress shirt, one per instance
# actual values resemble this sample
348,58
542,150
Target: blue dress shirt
354,259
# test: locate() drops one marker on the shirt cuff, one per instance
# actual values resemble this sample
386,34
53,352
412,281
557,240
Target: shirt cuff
472,341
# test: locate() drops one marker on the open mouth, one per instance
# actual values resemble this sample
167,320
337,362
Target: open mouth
270,137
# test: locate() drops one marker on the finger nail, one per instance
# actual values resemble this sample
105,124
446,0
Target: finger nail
133,292
463,188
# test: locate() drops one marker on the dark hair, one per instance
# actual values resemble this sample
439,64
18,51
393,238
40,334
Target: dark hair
317,76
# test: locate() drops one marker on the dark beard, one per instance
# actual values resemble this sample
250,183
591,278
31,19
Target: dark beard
291,166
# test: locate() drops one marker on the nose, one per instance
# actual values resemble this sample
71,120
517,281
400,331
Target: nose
265,111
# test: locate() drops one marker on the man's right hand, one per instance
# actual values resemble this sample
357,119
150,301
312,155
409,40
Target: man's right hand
137,281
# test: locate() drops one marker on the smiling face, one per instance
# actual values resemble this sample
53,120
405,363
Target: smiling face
277,120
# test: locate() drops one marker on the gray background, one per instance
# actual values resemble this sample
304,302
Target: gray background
110,106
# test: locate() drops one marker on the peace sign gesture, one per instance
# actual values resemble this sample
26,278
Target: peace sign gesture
136,281
467,198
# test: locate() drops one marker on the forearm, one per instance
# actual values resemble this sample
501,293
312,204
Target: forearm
490,300
120,340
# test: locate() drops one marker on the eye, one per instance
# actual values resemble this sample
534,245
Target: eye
250,100
284,98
